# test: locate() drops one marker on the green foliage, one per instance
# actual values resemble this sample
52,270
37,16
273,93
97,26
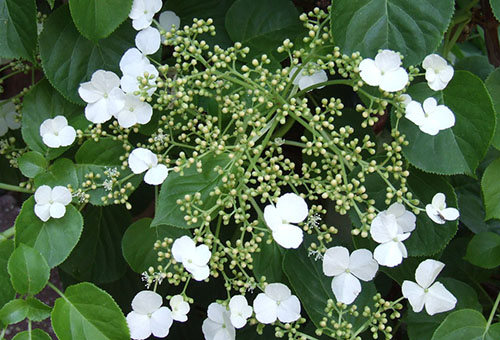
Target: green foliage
491,190
495,6
32,163
7,292
493,85
466,324
18,30
413,28
484,250
36,334
14,311
37,310
86,311
98,19
28,270
268,262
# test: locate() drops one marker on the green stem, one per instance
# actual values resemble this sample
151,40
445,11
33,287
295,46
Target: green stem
4,236
55,289
3,333
492,314
15,188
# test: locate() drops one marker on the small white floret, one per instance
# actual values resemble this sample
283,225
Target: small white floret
438,212
194,258
305,80
180,308
56,132
218,324
51,202
8,117
148,316
430,117
141,160
276,303
135,111
385,71
437,72
240,311
143,11
148,40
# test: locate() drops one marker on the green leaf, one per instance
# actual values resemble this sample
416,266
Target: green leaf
177,185
262,24
36,334
69,59
23,15
495,6
41,103
7,292
268,261
138,241
98,256
10,42
61,172
466,324
51,3
490,184
37,310
414,28
478,65
14,312
98,19
88,312
484,250
32,163
493,86
460,149
55,238
28,270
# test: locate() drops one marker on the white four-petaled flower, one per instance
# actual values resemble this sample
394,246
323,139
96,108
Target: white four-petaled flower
148,316
290,208
180,308
305,80
103,96
385,71
135,111
240,311
437,72
431,117
438,212
56,132
143,11
435,297
348,270
168,20
277,302
390,228
194,258
8,117
148,40
141,160
218,324
51,202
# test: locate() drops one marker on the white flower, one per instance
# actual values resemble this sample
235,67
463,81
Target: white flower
194,258
180,308
103,95
134,112
56,132
218,324
148,40
290,208
277,302
347,270
390,228
384,72
438,212
437,72
240,311
435,297
305,80
143,11
149,316
431,118
8,117
169,19
134,66
141,160
51,202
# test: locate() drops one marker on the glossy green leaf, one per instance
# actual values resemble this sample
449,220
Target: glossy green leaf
138,241
478,65
490,184
493,85
98,255
10,42
413,28
28,270
69,59
268,261
32,163
36,334
495,6
466,324
55,238
460,149
7,292
41,103
88,312
37,310
262,24
61,172
176,186
14,311
484,250
18,30
96,19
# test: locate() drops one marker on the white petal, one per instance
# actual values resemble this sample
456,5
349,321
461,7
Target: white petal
335,261
126,118
156,175
138,325
443,117
346,288
438,299
238,321
105,81
180,308
201,255
362,264
383,228
394,81
216,312
143,112
43,194
429,105
240,310
388,254
97,112
183,247
434,61
396,209
277,291
429,127
43,211
415,113
266,309
387,60
88,92
288,236
67,135
289,309
292,208
51,140
169,18
407,222
199,273
141,160
450,214
59,122
446,74
369,72
143,21
272,217
415,295
61,195
3,127
57,210
405,99
115,101
427,271
439,201
434,214
160,322
148,40
146,302
132,60
210,329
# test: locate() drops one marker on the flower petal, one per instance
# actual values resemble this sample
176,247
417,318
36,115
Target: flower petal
160,322
138,325
182,248
61,195
148,40
289,309
272,217
415,295
278,291
51,140
383,228
427,271
415,113
42,211
292,208
141,159
443,117
450,214
439,201
288,236
369,72
43,194
156,175
202,255
146,302
180,308
210,329
389,254
335,261
346,288
169,19
394,81
438,299
387,60
362,264
434,214
265,308
57,210
216,312
97,112
67,135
